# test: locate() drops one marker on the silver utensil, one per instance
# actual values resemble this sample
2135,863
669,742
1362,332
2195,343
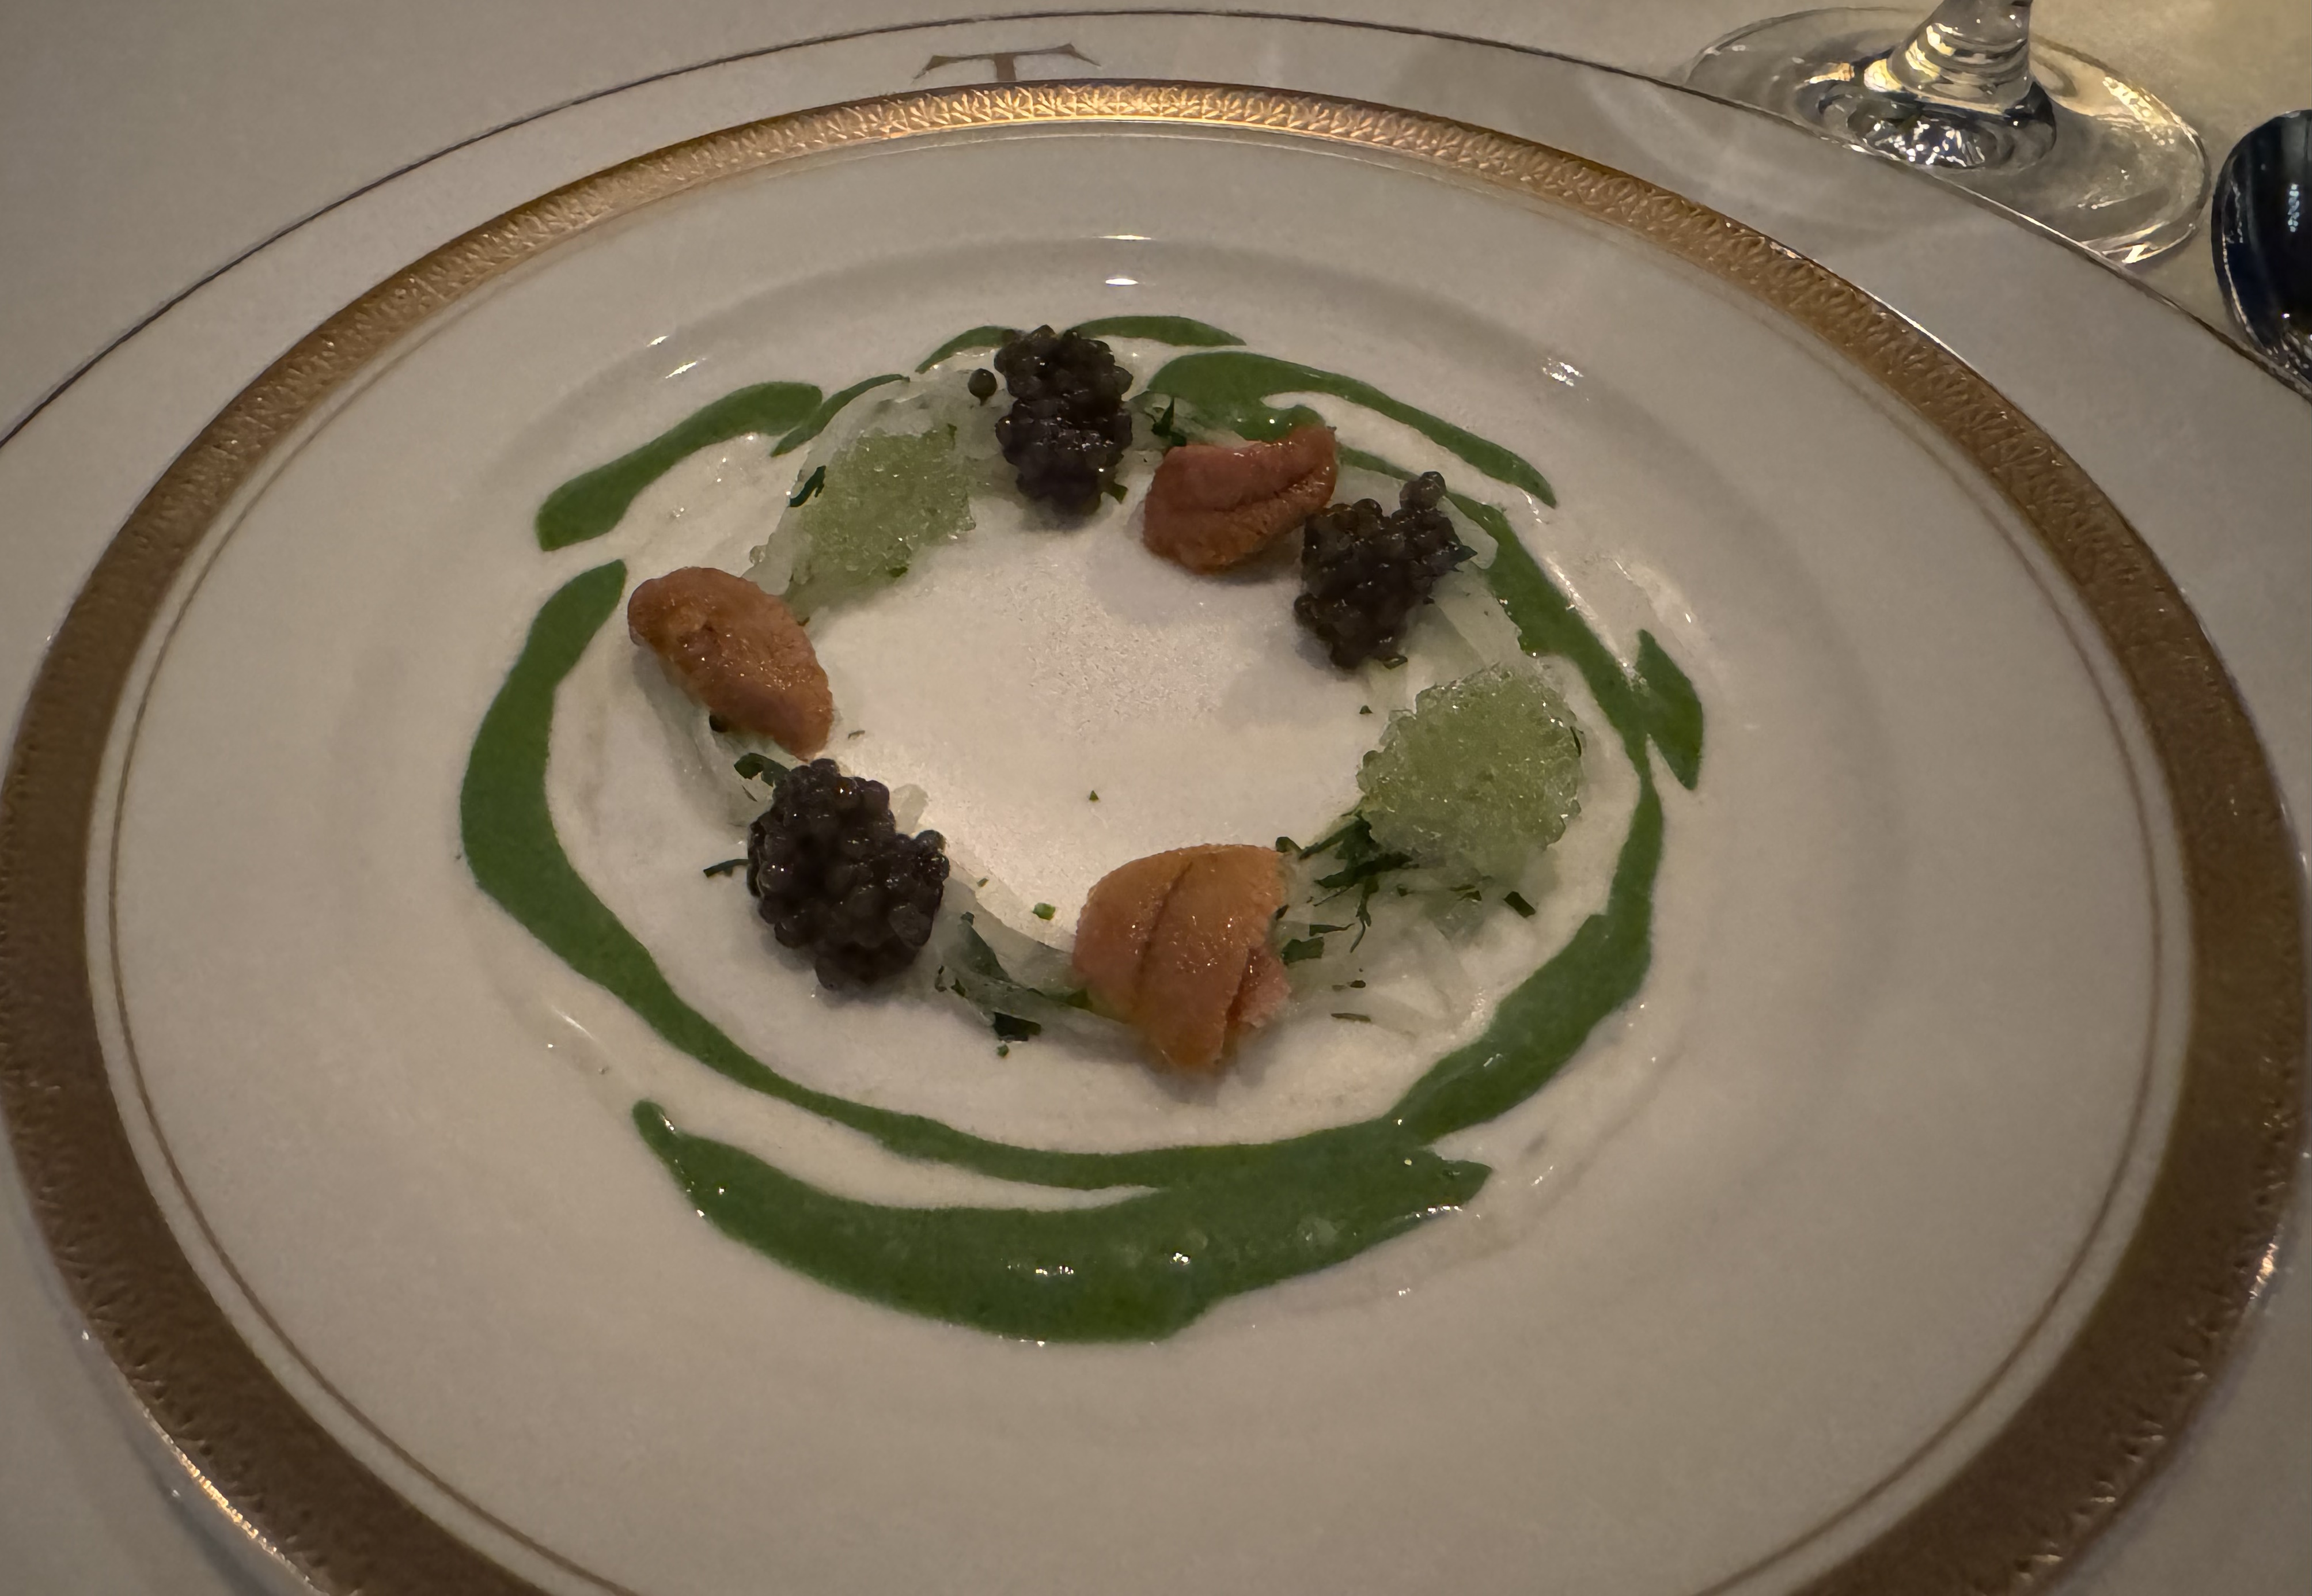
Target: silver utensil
2262,241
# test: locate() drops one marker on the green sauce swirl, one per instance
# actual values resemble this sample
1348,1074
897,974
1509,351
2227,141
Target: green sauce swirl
1189,1225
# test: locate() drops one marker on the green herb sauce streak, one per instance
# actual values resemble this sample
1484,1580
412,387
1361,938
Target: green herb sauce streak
1190,1226
591,504
1182,331
829,409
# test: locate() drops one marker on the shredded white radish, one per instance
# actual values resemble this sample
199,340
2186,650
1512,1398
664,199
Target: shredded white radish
1482,547
908,803
1468,605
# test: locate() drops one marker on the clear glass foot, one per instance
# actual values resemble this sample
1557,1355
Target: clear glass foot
1970,96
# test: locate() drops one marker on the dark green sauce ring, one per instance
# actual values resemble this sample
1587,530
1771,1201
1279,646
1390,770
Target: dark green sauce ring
1190,1224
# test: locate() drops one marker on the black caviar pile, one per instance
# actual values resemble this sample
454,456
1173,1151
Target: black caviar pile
833,875
1067,426
1363,574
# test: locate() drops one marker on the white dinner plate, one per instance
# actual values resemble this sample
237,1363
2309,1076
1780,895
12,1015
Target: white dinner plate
1840,1254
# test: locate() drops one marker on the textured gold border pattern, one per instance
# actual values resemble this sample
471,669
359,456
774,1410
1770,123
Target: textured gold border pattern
2016,1514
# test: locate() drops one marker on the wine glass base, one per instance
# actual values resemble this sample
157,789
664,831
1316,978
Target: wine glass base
2106,164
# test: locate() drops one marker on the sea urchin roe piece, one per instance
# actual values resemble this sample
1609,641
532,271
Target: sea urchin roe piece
1176,946
1478,778
738,651
887,496
1210,507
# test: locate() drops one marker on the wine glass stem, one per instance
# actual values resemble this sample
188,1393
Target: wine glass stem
1970,55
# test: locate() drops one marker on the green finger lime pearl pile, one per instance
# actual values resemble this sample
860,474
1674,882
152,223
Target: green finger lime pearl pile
1482,776
884,498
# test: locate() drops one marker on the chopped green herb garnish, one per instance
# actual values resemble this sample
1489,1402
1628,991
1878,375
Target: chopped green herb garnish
896,572
811,486
1169,435
1517,902
1300,947
1043,911
1351,828
1363,862
1094,797
1011,1027
1117,491
1364,709
725,868
1002,1049
1285,845
1360,1019
758,768
847,736
1362,872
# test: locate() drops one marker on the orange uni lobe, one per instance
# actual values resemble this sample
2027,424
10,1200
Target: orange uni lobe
738,651
1210,507
1177,946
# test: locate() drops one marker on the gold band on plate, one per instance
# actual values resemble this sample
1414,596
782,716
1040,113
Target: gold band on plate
2015,1515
